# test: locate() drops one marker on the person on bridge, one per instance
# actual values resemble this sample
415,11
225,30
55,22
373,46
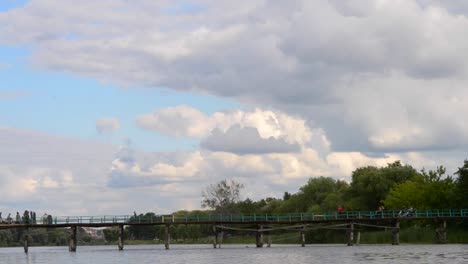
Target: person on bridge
18,218
26,217
33,217
340,210
410,212
44,219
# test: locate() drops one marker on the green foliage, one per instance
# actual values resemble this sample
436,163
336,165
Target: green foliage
319,194
462,185
111,234
6,238
370,185
428,190
142,232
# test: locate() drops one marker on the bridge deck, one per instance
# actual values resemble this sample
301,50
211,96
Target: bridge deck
111,220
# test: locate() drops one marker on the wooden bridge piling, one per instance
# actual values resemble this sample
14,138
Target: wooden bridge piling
215,237
441,232
26,240
259,237
268,235
303,236
167,237
396,233
121,237
72,243
350,233
220,238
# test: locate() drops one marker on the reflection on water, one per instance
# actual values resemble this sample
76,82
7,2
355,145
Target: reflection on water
240,254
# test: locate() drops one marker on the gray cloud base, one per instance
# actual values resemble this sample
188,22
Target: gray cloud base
304,57
245,140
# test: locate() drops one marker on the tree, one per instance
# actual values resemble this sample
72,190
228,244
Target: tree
429,190
370,185
318,195
222,195
462,184
142,232
111,234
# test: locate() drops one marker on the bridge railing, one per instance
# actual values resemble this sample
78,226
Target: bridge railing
255,218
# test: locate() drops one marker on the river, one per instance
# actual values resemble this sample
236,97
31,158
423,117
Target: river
240,254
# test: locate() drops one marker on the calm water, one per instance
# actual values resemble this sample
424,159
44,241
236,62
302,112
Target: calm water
239,254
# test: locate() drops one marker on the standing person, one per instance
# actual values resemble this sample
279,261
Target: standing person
26,217
18,218
381,210
340,210
44,219
9,220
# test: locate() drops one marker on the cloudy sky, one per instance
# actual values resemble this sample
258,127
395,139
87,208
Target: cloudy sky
112,106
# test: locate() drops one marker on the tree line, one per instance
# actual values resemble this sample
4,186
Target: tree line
394,186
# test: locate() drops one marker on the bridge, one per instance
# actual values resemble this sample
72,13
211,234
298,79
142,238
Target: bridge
264,223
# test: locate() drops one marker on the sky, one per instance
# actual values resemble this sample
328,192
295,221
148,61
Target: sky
115,106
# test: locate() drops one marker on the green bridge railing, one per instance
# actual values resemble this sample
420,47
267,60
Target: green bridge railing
246,218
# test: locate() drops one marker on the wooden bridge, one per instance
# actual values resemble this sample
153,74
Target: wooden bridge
264,223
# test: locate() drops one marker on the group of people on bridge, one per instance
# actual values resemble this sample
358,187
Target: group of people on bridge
28,217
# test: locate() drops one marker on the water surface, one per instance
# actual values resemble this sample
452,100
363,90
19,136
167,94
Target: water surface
240,254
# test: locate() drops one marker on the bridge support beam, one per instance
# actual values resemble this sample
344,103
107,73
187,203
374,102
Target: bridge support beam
72,243
303,236
259,237
350,233
26,240
396,233
441,232
121,237
167,237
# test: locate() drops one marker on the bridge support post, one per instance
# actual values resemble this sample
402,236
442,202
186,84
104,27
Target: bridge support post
441,232
167,237
121,237
303,236
220,235
72,242
215,237
396,233
26,240
350,233
268,234
259,237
